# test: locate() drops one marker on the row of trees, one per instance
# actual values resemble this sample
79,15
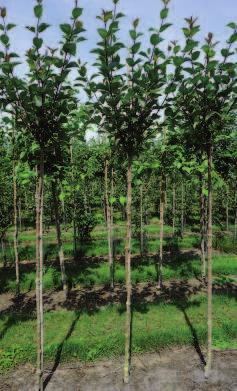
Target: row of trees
167,112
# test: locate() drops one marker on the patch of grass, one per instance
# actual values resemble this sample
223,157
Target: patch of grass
90,336
97,273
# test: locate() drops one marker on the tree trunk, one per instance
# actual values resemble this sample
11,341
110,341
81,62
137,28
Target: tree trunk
127,360
182,209
16,226
227,209
109,227
74,204
162,209
141,222
39,271
235,224
174,208
209,265
59,236
3,244
19,214
202,225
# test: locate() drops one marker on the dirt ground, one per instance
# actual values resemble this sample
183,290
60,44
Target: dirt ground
168,370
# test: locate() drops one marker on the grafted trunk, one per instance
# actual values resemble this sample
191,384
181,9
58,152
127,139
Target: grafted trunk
162,209
209,266
59,236
109,227
202,225
39,272
141,222
16,227
174,208
127,360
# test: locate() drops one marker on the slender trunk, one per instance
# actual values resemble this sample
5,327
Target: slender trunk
174,208
202,225
3,244
109,227
162,209
59,236
235,228
19,214
227,209
209,265
74,204
127,360
16,220
141,222
39,271
112,211
182,209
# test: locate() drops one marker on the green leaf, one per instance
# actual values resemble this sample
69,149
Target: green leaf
107,16
177,49
70,48
209,51
225,52
165,27
178,61
135,48
195,55
130,62
66,28
136,22
122,200
112,200
76,12
164,13
43,27
10,26
155,39
133,34
232,25
38,42
103,33
38,11
31,28
233,38
38,101
4,39
190,45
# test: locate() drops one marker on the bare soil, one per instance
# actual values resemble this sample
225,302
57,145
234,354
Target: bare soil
167,370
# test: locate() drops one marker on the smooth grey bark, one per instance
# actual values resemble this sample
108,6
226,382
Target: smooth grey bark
182,207
39,272
202,224
173,207
16,215
127,358
162,210
209,266
141,222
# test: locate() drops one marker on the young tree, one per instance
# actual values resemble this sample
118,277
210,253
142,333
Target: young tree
206,101
126,99
40,104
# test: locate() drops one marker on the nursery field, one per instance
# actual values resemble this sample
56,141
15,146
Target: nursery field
118,195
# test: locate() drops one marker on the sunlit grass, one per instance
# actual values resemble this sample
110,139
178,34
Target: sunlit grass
100,333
